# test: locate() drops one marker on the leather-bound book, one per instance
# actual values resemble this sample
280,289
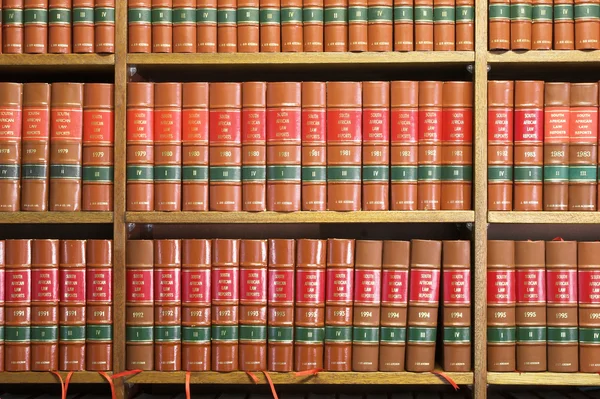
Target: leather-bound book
83,26
587,25
335,32
444,21
423,25
184,26
499,25
564,25
588,273
404,37
227,26
2,296
430,150
12,26
291,26
35,26
206,26
254,150
11,103
162,26
521,13
139,27
313,18
270,26
59,26
465,25
104,26
381,25
358,25
248,26
541,25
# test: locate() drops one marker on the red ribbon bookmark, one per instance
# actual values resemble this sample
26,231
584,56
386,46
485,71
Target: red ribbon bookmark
110,379
64,385
308,372
447,378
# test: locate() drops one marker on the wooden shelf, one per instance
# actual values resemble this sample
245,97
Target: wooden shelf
544,217
75,62
544,378
44,377
347,378
55,217
301,217
544,57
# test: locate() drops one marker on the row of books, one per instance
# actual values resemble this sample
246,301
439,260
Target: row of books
58,26
294,305
543,303
56,305
56,147
405,394
544,25
251,26
290,146
542,146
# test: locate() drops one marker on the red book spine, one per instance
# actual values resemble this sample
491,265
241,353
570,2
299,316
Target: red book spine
59,26
312,17
98,147
270,26
443,25
227,26
254,150
403,25
83,26
520,24
430,139
541,25
11,104
2,296
291,26
358,20
381,25
35,26
17,306
587,27
335,34
465,25
206,26
167,146
423,18
499,24
564,25
588,273
162,26
248,30
71,313
184,26
104,26
12,27
44,305
140,26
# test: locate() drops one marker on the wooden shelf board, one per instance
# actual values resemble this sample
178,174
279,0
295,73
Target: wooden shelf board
301,217
44,377
544,378
55,217
62,61
544,217
544,57
347,378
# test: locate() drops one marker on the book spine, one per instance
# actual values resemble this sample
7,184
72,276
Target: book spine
309,305
44,305
254,150
225,304
335,32
206,26
367,301
162,26
139,16
528,145
429,171
167,146
72,300
225,157
11,110
444,21
423,25
588,302
314,147
561,308
394,304
465,25
344,140
99,312
184,26
531,305
139,305
404,145
339,305
280,310
358,25
17,306
521,14
457,146
35,26
541,25
36,147
195,305
270,26
59,26
564,25
104,26
253,305
313,25
499,25
2,298
167,305
404,37
423,304
501,300
284,146
587,24
227,26
376,146
83,26
12,27
248,26
66,136
98,147
456,306
291,26
381,25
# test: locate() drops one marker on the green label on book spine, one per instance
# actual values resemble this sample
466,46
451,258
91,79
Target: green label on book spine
167,173
34,171
338,333
248,16
403,14
225,174
365,334
139,16
357,14
253,333
443,14
254,173
457,334
465,14
98,332
314,174
531,334
162,16
140,173
59,16
563,12
309,334
556,173
500,174
44,333
167,333
393,334
195,334
20,334
313,15
206,16
562,334
9,172
583,174
501,334
336,15
71,333
291,15
284,172
195,173
429,172
227,16
280,334
421,334
521,12
587,335
98,174
541,13
586,11
139,334
457,173
376,173
346,174
381,14
184,16
104,15
404,174
528,173
36,16
85,15
499,12
270,16
224,333
65,172
423,14
12,16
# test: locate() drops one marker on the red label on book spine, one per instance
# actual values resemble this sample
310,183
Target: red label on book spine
344,125
556,124
72,285
405,126
310,286
225,127
314,124
10,123
589,286
225,285
281,286
98,127
254,125
99,285
367,286
500,126
195,287
376,125
140,126
194,123
284,125
584,125
44,285
424,286
253,286
139,286
562,286
35,124
17,286
66,123
2,282
430,125
167,127
394,287
529,125
166,285
501,287
531,286
457,287
458,125
340,285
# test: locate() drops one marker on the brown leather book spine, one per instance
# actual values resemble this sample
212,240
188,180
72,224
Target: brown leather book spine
225,304
162,26
167,146
344,140
71,312
423,25
429,172
44,305
35,26
528,145
66,136
404,145
499,26
11,111
367,300
376,146
2,296
225,141
17,306
227,26
291,26
284,146
139,16
588,255
587,24
280,310
195,305
254,146
358,25
167,305
381,25
456,306
339,305
465,25
521,13
444,22
335,32
500,145
104,26
270,26
564,25
314,146
561,307
423,303
12,26
541,25
583,147
253,305
249,25
59,26
140,148
313,24
139,305
98,147
184,26
99,312
457,146
530,317
404,37
83,26
394,305
501,311
309,310
206,26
